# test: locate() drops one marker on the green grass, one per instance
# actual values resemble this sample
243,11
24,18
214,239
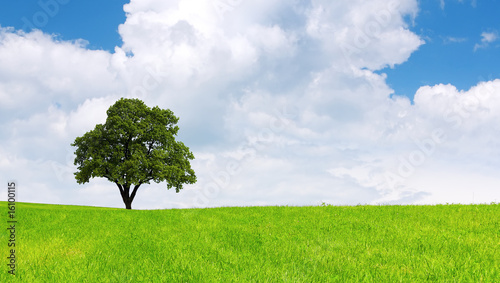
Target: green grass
450,243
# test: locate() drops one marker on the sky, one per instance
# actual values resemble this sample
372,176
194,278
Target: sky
281,102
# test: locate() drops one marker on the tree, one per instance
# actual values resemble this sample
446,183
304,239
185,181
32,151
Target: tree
136,145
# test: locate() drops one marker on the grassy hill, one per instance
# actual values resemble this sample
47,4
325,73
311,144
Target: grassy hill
56,243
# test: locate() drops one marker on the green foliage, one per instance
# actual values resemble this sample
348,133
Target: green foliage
446,243
136,145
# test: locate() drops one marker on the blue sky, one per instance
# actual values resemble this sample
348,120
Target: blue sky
95,21
448,55
282,90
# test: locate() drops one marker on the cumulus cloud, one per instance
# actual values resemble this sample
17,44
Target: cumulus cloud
278,100
369,35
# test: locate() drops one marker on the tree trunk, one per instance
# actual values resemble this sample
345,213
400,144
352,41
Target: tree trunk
128,205
124,192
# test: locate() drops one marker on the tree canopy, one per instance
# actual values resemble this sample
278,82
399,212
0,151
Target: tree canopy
136,145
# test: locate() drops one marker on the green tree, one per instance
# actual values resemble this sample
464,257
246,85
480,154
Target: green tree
136,145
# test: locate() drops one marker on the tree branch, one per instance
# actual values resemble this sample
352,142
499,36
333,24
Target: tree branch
122,192
106,175
150,148
132,196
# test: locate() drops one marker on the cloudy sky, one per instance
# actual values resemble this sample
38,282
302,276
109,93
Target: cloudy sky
281,102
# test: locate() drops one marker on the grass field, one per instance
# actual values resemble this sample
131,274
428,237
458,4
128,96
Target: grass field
452,243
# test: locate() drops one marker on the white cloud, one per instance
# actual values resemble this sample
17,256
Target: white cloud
489,36
486,39
451,39
442,3
279,102
365,34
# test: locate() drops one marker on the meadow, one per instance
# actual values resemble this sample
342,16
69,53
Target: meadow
444,243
